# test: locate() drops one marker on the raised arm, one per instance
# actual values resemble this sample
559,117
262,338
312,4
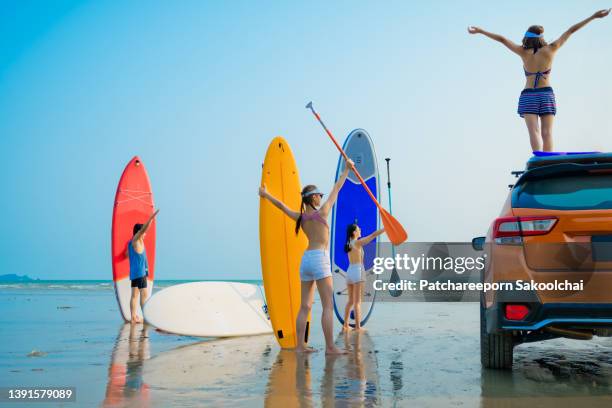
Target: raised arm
515,48
333,194
145,227
566,35
263,193
367,239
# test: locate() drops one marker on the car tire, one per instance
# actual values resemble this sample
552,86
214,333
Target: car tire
496,350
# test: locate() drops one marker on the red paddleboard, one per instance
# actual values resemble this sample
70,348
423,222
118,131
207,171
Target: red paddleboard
133,205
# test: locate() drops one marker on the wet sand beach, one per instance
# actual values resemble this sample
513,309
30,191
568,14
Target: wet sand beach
412,354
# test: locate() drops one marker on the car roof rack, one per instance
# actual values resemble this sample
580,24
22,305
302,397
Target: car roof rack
557,169
541,159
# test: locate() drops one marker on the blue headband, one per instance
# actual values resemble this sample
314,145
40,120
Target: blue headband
529,34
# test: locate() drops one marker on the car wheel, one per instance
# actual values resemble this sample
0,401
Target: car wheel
496,350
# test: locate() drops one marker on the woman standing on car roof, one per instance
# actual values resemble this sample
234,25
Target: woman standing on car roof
537,101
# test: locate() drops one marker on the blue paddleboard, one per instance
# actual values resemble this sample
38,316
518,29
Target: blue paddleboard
355,205
538,153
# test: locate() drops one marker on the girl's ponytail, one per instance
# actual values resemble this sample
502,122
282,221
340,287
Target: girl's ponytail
298,222
347,246
350,230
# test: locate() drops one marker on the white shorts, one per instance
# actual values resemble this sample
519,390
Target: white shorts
315,265
354,273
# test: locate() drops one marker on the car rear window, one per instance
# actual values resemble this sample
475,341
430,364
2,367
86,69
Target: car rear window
571,192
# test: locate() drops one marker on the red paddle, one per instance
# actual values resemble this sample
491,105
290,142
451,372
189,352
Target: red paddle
393,228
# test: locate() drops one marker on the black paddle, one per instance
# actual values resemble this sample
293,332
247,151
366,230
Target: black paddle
394,275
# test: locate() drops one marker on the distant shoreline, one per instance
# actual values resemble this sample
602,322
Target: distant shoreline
11,277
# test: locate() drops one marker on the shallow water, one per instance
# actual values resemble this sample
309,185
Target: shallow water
418,354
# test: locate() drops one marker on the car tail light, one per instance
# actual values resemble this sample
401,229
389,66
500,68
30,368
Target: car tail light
516,312
510,230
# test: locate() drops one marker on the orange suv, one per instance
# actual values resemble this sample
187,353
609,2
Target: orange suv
549,256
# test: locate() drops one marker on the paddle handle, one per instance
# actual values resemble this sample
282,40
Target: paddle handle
309,106
389,184
388,159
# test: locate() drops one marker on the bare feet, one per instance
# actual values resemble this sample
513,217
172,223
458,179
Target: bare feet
361,329
302,349
346,328
136,320
335,351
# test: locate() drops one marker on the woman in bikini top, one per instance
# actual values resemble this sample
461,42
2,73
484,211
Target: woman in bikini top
537,103
315,266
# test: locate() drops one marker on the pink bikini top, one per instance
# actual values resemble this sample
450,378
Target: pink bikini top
315,216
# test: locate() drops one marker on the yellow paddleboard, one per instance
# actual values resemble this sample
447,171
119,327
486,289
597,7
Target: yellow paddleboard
281,249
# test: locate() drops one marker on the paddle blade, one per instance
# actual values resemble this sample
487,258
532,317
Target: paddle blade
394,230
395,279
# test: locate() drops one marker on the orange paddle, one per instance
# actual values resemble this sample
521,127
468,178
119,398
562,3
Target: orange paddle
393,228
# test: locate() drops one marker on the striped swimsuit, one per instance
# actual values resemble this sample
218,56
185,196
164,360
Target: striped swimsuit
537,101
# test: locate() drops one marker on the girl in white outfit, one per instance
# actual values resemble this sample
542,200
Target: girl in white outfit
355,272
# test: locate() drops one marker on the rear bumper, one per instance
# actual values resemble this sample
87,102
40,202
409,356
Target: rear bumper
571,315
568,315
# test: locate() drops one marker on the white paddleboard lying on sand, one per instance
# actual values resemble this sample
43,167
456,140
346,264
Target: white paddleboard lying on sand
209,309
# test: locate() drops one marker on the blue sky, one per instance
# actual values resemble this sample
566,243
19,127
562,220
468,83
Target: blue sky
198,89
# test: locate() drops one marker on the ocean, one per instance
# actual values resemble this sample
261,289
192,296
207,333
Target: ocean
70,334
92,284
